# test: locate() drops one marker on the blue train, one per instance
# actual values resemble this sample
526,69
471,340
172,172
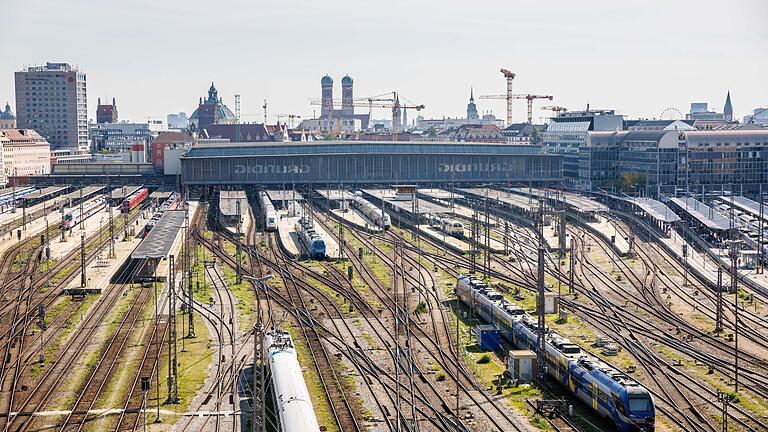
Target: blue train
310,239
608,391
8,198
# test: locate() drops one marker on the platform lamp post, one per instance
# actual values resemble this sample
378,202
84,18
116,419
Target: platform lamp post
259,416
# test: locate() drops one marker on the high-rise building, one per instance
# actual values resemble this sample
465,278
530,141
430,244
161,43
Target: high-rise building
106,113
51,100
7,118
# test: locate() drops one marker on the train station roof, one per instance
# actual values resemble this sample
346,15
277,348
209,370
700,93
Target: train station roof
335,194
158,243
746,205
439,194
425,207
526,203
655,209
87,192
11,191
44,193
162,195
228,202
250,149
123,192
706,215
284,195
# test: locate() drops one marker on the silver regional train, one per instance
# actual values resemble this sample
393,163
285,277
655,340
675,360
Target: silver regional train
373,213
290,391
606,390
310,239
74,216
268,210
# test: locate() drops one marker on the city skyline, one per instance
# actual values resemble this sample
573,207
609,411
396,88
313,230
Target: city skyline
693,52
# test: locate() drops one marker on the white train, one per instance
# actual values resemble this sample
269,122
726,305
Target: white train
608,391
373,213
290,391
74,216
268,210
449,226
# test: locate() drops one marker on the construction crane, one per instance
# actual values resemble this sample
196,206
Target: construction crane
529,97
370,103
510,77
555,108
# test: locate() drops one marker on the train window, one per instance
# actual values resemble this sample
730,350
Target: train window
641,403
618,404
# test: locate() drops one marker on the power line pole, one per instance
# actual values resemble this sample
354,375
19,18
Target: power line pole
82,260
173,371
541,328
188,268
719,312
259,380
237,245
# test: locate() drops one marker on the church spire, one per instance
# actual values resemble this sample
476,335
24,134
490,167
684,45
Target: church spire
728,108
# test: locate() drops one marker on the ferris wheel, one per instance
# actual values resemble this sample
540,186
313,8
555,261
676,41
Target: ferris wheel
672,113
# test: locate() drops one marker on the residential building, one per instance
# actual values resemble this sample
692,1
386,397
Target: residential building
106,113
25,153
521,133
166,151
52,100
7,118
567,134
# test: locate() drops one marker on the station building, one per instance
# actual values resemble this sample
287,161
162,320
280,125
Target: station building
360,162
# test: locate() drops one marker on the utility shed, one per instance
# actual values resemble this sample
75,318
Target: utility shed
488,337
521,365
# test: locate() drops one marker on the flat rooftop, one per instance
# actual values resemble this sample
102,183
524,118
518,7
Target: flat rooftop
246,149
228,202
335,194
44,193
123,192
528,204
157,244
87,192
655,209
284,195
706,215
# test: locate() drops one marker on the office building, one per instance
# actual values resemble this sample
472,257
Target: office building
51,99
7,118
178,121
758,117
567,133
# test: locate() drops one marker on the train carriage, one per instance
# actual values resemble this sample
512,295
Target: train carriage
608,391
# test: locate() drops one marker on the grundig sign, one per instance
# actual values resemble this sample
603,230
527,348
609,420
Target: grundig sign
271,169
478,167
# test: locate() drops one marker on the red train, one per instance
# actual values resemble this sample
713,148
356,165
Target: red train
134,199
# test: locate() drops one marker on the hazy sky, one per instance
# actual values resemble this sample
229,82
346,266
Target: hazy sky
159,56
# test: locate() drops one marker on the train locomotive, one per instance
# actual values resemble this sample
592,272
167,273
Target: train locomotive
373,213
449,226
268,210
290,391
606,390
136,198
75,216
310,239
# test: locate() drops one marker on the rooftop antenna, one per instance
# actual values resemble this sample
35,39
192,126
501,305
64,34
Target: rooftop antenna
265,112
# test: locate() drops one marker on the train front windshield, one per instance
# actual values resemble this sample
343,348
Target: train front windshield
640,404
